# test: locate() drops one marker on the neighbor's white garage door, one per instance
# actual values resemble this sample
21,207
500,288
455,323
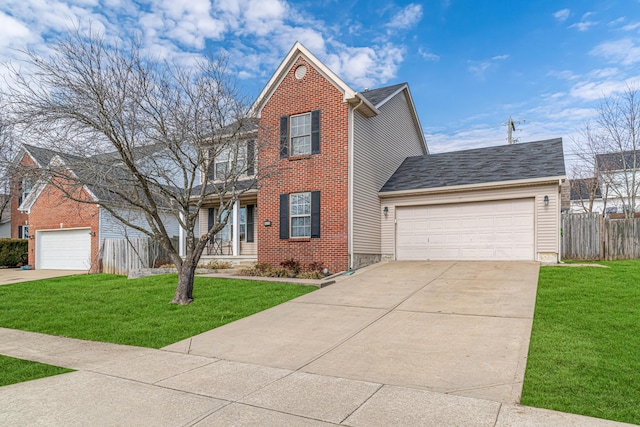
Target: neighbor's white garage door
496,230
63,249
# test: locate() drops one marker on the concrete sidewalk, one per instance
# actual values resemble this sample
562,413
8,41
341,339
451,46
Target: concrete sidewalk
396,344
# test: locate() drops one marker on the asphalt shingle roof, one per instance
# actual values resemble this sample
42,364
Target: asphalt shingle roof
580,188
375,96
622,160
482,165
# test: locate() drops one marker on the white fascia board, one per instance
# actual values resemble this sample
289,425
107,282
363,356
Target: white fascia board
556,180
296,51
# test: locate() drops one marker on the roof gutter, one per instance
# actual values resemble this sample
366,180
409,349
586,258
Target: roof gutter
557,180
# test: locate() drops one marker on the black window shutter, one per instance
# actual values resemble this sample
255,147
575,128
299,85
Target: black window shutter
284,137
251,154
249,223
315,214
284,216
315,132
211,220
19,232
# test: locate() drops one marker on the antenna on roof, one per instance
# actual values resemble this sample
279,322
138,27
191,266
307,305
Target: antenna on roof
511,127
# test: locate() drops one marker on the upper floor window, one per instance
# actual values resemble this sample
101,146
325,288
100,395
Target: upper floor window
25,189
300,134
233,160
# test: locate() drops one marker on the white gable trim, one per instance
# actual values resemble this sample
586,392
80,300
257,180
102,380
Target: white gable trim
297,51
42,183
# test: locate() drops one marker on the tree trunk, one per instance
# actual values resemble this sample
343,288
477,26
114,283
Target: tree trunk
186,274
184,290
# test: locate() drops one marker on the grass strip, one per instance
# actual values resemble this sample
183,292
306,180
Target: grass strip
585,342
137,312
14,371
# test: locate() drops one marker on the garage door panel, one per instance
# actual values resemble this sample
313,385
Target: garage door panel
496,230
63,249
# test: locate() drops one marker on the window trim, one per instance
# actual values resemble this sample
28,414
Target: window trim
307,235
285,216
304,136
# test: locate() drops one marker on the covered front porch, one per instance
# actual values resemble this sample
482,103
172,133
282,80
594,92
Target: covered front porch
237,241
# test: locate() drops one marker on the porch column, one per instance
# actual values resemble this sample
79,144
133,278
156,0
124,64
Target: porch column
181,242
235,238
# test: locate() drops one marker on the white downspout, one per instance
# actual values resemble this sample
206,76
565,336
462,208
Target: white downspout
351,163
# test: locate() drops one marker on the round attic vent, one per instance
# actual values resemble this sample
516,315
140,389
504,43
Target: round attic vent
300,72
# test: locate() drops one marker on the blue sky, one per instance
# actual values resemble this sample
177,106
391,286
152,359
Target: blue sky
470,64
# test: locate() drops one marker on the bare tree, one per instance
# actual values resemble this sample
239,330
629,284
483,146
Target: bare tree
7,151
611,145
140,134
584,186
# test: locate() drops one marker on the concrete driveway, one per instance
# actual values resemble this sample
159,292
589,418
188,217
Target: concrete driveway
458,328
15,275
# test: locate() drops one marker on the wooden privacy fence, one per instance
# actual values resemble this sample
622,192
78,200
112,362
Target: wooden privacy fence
590,237
119,256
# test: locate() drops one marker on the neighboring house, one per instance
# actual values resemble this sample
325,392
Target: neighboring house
64,234
5,217
619,176
353,182
586,196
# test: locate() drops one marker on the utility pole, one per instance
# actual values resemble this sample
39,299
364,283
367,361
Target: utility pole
511,127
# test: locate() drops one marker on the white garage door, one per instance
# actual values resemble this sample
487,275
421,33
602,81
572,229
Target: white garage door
63,249
496,230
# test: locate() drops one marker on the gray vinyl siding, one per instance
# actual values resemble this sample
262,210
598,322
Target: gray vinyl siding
381,143
111,228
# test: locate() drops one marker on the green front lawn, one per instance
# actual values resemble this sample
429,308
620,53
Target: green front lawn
136,312
16,370
584,356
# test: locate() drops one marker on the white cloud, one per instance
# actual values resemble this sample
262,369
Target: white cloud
365,66
14,32
407,17
593,90
631,26
585,24
624,51
428,55
562,15
481,68
563,74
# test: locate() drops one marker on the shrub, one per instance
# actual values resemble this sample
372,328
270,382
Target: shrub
216,265
13,252
315,266
291,264
311,275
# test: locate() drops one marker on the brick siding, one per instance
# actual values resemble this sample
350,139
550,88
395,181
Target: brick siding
326,172
52,210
